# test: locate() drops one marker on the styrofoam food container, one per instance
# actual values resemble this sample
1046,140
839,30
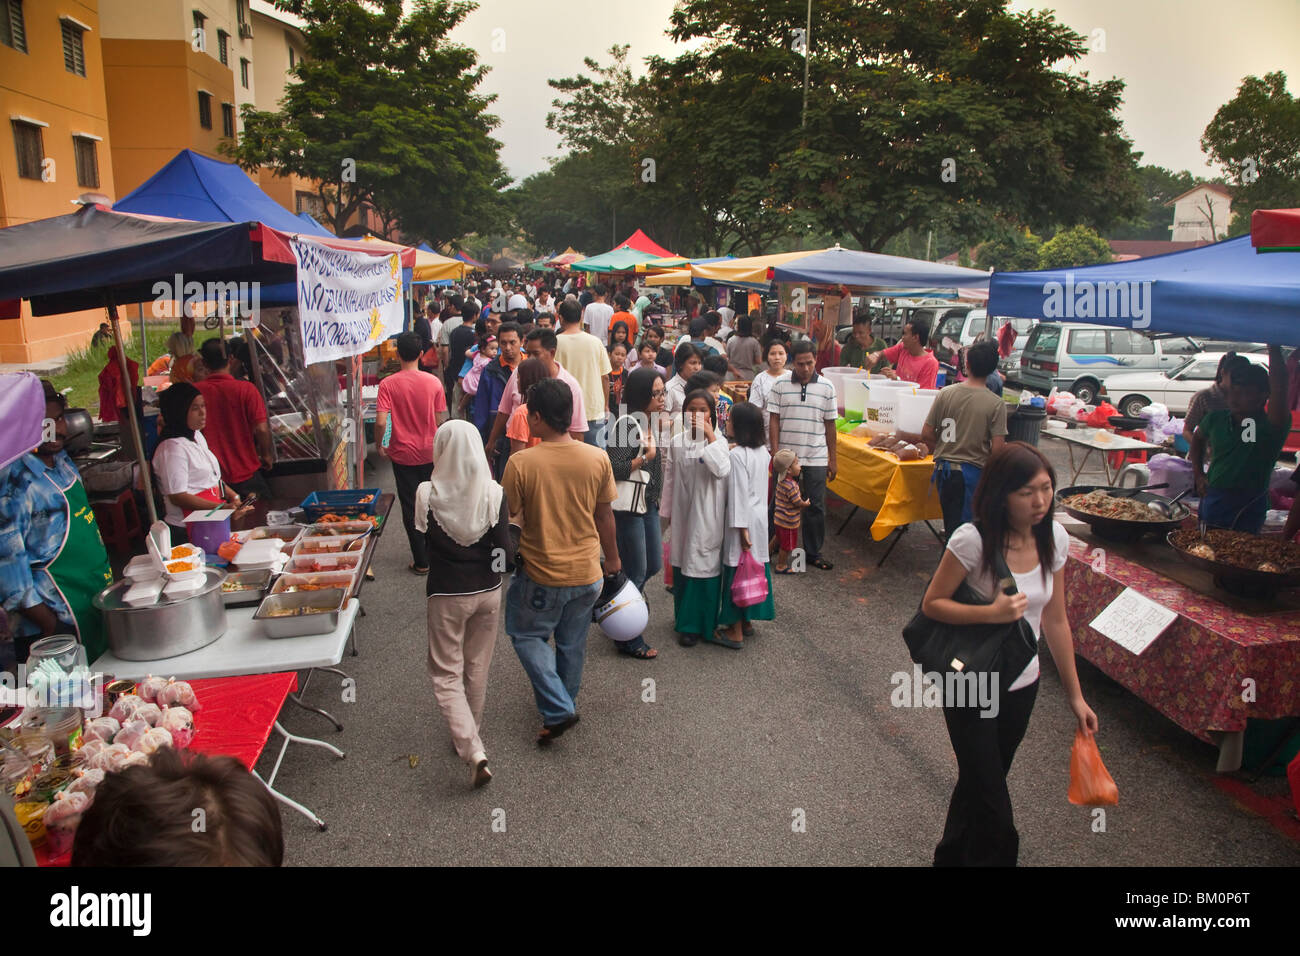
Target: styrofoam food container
142,567
259,554
144,593
185,588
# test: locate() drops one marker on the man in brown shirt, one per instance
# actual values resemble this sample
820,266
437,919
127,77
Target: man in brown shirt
559,494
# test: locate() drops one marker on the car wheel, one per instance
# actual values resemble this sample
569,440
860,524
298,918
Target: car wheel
1130,405
1085,390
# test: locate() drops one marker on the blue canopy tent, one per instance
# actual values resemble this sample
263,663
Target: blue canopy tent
192,186
873,270
1222,291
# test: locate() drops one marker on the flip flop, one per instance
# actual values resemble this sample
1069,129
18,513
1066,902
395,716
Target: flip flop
414,570
717,638
747,629
643,653
783,571
821,563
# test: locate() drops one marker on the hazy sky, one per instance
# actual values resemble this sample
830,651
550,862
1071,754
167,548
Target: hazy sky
1180,59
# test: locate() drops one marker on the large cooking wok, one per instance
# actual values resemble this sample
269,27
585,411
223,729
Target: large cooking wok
1120,529
1246,582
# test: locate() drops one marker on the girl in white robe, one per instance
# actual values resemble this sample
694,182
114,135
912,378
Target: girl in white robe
746,523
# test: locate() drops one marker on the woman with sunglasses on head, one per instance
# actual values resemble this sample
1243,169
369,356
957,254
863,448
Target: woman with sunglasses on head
1013,518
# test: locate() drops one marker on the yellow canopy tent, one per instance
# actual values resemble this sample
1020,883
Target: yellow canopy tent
428,265
672,277
752,270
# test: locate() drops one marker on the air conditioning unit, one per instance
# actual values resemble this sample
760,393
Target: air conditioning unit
246,31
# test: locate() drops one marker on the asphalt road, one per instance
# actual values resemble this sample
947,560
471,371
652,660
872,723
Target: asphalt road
787,752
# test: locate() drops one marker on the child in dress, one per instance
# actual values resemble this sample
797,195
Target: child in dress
483,353
790,503
746,529
617,373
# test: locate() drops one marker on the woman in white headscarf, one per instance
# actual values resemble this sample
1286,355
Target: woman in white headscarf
462,513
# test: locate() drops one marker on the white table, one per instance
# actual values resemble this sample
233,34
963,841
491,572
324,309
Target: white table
245,649
1113,443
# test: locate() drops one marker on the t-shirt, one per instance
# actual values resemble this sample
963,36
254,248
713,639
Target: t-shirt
977,416
744,352
510,398
185,467
787,513
462,337
803,411
922,369
556,487
628,318
1207,400
518,428
413,401
968,547
586,359
448,326
761,391
1237,464
235,408
854,355
596,317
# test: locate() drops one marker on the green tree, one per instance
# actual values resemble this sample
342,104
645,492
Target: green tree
1012,250
1077,246
917,112
384,112
1158,186
1255,137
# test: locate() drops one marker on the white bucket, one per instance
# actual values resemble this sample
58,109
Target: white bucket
881,413
842,378
913,408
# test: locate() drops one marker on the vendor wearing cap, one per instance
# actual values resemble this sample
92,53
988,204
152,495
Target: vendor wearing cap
52,559
1244,442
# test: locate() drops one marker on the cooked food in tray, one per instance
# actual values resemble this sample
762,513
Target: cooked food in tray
1104,506
1250,552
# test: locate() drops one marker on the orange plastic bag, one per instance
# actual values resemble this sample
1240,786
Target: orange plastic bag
1090,783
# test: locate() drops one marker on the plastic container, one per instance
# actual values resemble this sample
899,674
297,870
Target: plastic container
258,555
294,583
345,502
881,414
209,532
855,399
332,545
335,528
316,563
288,534
17,772
913,408
62,725
186,587
1025,424
142,568
840,377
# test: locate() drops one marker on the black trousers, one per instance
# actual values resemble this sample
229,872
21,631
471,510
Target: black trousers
408,479
256,484
980,830
952,499
812,484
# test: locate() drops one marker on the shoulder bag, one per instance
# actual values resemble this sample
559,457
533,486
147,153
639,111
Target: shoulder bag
631,490
973,648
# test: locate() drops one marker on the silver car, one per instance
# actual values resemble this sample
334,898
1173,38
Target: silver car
1131,391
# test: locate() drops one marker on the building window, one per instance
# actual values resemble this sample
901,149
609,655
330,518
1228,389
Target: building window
309,203
227,119
200,30
293,54
241,12
205,109
13,32
74,50
223,47
243,73
30,148
87,161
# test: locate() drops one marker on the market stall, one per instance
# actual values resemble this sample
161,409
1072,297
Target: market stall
898,492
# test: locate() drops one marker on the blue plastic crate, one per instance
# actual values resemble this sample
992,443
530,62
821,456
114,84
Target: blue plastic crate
345,502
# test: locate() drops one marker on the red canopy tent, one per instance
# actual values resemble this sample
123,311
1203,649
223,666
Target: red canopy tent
643,243
1275,230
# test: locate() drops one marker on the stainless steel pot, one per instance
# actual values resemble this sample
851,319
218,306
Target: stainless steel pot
167,628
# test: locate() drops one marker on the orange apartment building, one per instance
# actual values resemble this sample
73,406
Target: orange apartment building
100,94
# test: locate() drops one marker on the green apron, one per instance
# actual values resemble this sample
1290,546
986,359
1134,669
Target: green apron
80,569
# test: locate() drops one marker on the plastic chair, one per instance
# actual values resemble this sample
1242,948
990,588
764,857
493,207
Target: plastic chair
1121,459
119,521
1139,472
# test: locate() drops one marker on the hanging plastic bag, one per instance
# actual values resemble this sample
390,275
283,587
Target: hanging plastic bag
749,586
1090,783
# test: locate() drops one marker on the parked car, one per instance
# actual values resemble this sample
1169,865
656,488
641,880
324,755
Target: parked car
1130,391
1079,358
975,325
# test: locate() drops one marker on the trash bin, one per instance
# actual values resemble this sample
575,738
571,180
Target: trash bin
1025,424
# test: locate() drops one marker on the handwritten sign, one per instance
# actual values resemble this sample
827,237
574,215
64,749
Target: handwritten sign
1133,620
348,302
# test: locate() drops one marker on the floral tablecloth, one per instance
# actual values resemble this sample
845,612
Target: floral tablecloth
1198,673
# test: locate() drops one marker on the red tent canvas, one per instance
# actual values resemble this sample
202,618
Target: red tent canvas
1275,229
643,243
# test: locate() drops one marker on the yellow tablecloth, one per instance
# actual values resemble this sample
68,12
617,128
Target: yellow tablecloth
900,492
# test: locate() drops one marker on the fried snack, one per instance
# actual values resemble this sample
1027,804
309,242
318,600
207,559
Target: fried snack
1250,552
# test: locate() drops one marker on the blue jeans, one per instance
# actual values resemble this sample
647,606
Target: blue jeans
533,613
1235,510
595,434
640,545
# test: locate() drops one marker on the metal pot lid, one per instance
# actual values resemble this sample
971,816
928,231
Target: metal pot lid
110,599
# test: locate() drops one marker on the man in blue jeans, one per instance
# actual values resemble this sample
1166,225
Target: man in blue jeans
559,493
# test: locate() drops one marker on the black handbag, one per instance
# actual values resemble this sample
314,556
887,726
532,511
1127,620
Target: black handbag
941,648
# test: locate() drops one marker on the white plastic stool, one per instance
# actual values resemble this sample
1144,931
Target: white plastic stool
1141,475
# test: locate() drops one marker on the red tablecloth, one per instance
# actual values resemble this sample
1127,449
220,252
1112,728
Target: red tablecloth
235,719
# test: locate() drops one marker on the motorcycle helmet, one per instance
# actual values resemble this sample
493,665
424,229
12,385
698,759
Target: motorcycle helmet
621,612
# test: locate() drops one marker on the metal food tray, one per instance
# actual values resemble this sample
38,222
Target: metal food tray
1121,529
255,584
1248,582
347,540
288,533
300,624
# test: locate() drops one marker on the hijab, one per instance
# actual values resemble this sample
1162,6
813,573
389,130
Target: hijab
462,496
174,405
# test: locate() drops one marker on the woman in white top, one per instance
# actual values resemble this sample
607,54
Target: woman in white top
774,354
747,523
188,474
696,468
1013,514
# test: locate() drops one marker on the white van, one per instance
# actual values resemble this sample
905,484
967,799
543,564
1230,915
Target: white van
1078,358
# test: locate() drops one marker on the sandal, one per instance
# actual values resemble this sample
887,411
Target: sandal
718,638
784,570
821,563
747,629
414,570
637,648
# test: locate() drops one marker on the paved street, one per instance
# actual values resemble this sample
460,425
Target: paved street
733,744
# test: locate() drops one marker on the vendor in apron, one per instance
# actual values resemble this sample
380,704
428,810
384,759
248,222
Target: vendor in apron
187,471
52,560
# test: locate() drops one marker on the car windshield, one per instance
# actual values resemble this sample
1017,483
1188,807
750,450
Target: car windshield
1178,372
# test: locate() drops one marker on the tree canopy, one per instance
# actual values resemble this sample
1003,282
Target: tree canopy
385,113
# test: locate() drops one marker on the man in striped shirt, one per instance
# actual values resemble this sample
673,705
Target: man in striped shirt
803,412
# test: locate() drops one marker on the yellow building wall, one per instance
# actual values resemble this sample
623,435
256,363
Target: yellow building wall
37,85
